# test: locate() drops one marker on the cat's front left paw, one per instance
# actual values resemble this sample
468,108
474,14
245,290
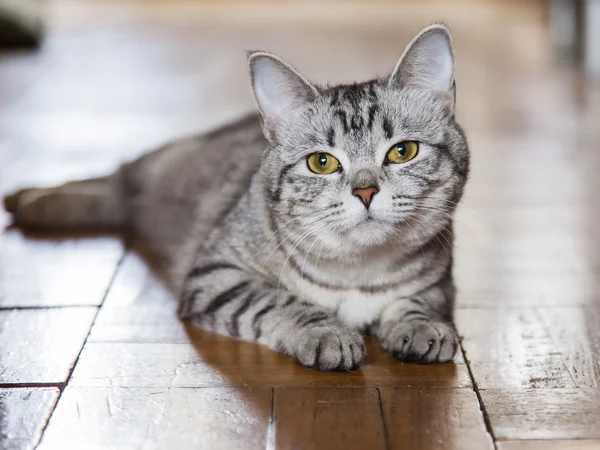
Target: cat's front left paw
420,341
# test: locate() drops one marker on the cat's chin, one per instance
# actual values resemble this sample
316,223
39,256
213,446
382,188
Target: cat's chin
371,232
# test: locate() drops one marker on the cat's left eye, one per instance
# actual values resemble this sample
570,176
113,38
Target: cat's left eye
402,152
322,163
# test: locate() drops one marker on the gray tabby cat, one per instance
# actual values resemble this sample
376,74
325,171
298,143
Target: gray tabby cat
327,215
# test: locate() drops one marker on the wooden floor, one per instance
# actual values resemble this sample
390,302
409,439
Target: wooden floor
91,353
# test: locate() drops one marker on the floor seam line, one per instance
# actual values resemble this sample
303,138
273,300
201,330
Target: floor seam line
386,439
486,418
270,438
30,385
66,383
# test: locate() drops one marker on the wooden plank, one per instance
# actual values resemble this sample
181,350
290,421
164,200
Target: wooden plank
543,413
160,418
139,308
328,419
55,269
579,444
576,334
434,418
23,414
220,361
511,348
41,345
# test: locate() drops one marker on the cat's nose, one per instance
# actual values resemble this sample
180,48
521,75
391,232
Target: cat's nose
365,194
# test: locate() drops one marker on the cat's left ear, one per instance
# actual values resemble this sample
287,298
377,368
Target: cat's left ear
278,87
428,63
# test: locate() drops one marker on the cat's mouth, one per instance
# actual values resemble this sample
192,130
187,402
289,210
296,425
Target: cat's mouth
372,218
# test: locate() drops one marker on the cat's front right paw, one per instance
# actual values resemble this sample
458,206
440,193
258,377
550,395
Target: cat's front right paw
330,348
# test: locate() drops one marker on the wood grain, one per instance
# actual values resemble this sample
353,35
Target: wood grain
23,414
159,418
434,418
543,413
41,345
220,361
511,348
55,269
139,308
328,419
576,334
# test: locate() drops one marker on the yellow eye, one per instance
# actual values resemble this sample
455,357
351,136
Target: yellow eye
402,152
322,163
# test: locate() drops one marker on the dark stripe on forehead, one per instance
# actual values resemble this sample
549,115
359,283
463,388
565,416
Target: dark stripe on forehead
357,123
331,137
387,128
372,112
353,94
372,94
335,96
341,115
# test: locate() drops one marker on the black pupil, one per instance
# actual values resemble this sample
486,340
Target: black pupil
402,149
322,159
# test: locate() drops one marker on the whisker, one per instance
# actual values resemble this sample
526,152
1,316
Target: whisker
287,223
453,215
450,244
292,234
304,236
461,202
416,237
308,253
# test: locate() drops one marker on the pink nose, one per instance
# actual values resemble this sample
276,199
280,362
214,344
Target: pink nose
365,194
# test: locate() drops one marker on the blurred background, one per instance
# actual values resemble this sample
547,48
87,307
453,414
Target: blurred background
111,77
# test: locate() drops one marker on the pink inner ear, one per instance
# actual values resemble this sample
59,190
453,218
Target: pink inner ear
278,86
442,64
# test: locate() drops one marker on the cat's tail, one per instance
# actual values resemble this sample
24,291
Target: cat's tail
92,203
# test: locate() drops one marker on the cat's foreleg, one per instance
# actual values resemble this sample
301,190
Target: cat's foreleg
420,328
220,297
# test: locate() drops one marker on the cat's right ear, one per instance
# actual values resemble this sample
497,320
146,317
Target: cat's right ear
277,86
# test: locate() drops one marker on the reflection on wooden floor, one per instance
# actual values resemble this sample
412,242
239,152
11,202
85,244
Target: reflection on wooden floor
91,353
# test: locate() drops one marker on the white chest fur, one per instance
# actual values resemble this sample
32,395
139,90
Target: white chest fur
353,307
358,293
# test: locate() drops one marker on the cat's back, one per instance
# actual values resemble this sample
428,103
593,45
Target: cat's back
193,179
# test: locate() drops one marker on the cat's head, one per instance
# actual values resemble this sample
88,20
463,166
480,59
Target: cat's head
354,167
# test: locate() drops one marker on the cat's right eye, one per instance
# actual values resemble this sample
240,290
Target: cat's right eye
322,163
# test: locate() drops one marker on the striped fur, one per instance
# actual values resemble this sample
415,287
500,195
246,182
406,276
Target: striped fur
263,249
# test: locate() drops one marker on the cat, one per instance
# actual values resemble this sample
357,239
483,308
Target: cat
326,215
